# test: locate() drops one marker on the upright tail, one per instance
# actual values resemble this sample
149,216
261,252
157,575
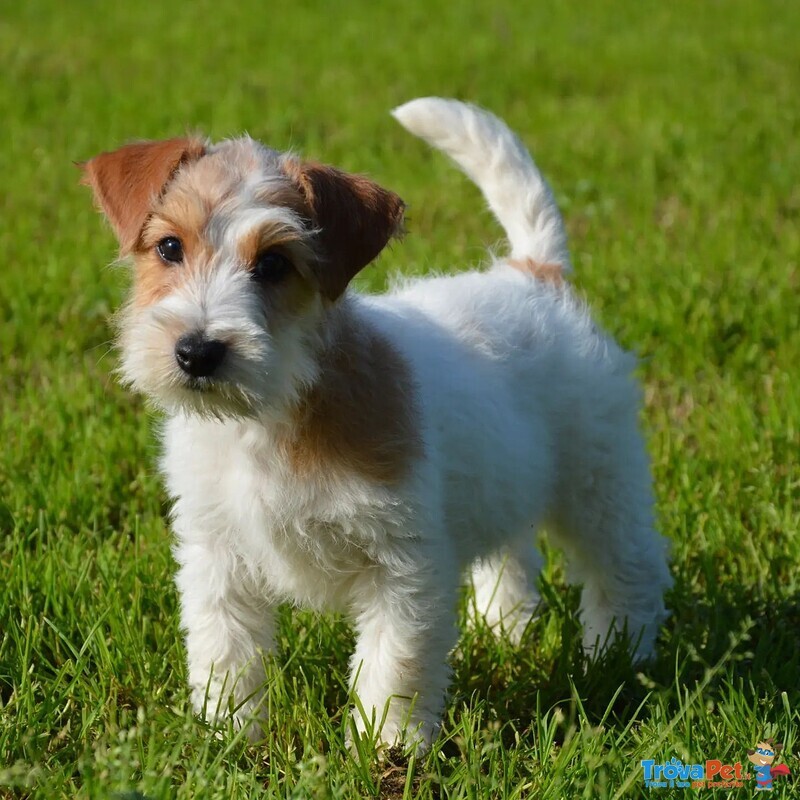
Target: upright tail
490,154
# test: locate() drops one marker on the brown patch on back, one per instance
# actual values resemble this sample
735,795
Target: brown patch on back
127,181
361,415
356,219
547,273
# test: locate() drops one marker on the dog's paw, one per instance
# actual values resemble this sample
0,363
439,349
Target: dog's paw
217,711
413,738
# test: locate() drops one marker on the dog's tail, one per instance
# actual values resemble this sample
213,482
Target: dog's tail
490,154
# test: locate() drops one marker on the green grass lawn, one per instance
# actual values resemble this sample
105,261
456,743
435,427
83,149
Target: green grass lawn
671,134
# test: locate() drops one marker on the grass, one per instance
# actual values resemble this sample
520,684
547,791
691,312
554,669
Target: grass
671,134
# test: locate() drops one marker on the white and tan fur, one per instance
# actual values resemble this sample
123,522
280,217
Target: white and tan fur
362,453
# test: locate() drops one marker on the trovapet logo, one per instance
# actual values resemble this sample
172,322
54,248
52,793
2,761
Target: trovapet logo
711,774
714,774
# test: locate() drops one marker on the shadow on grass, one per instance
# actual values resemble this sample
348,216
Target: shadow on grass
731,636
726,636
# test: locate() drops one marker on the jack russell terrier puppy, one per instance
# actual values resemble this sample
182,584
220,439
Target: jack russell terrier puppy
362,453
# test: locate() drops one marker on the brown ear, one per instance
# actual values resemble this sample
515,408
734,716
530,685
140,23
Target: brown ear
354,216
127,181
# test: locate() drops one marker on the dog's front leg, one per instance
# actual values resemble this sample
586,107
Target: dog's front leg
229,630
405,631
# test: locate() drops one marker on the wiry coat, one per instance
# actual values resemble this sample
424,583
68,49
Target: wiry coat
362,453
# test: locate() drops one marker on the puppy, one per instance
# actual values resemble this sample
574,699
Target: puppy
363,453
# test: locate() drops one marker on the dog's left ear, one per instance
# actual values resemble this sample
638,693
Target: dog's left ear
355,219
125,182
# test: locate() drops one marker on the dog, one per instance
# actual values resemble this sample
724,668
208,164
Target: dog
365,453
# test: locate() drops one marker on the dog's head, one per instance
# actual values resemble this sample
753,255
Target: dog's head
238,252
764,752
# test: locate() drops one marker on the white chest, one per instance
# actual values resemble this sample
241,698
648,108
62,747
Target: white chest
309,542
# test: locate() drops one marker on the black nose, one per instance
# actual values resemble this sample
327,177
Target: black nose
198,356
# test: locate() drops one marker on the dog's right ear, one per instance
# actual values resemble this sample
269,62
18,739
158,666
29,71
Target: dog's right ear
126,182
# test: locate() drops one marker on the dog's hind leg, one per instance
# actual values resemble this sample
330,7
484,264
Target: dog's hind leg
604,522
504,586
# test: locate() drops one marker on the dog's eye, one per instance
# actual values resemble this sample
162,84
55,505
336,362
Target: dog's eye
170,250
271,267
